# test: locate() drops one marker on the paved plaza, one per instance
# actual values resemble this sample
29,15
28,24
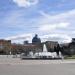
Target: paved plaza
16,66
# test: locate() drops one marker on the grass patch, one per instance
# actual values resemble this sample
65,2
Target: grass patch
69,57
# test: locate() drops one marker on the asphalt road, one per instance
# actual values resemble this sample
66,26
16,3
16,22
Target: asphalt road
38,69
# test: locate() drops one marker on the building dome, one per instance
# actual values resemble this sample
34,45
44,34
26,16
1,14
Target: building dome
36,40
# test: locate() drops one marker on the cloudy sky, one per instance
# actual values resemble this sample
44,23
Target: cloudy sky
51,19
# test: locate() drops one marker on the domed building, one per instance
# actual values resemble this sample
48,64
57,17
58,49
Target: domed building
36,40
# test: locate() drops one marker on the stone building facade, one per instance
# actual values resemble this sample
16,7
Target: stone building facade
26,48
5,46
21,48
50,45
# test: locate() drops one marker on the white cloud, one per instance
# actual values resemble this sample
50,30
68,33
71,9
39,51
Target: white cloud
63,25
59,21
61,17
25,3
50,37
19,38
50,27
56,37
57,27
47,25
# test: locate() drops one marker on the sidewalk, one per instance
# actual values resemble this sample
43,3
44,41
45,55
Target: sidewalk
4,59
